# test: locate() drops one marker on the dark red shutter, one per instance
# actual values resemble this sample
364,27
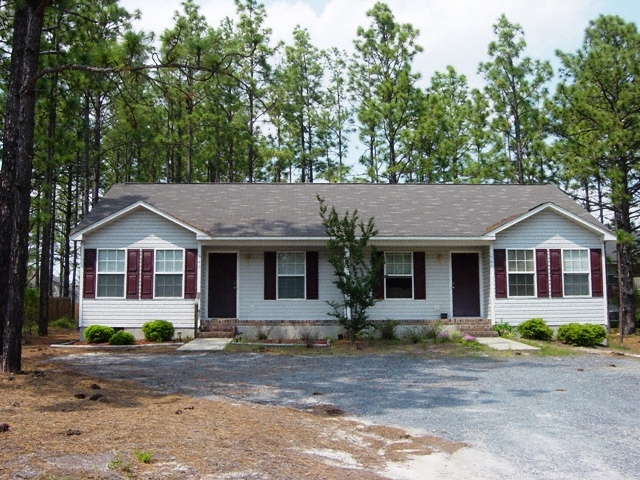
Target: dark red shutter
89,268
419,277
190,273
146,290
500,268
312,275
378,287
555,259
270,272
597,289
133,273
542,272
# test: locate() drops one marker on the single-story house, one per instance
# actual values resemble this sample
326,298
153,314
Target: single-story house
253,256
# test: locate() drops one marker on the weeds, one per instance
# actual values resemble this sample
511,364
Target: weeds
143,456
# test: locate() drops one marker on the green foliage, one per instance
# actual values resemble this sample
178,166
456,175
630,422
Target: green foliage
585,335
535,329
388,329
143,456
504,329
122,338
98,333
64,322
158,331
356,275
31,310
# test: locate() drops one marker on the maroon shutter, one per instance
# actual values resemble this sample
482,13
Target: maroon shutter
378,287
89,267
419,277
146,290
190,273
500,268
597,289
312,275
555,259
270,272
133,273
542,271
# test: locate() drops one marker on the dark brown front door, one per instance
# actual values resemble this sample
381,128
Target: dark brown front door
465,284
222,285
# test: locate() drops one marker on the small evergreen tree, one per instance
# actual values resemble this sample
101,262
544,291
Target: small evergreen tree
356,276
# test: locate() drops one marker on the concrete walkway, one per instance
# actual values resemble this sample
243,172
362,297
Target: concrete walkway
205,344
500,343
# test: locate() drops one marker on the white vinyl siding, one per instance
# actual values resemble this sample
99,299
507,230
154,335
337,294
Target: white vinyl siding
111,273
575,272
140,229
548,230
168,273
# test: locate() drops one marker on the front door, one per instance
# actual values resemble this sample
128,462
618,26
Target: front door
223,269
465,284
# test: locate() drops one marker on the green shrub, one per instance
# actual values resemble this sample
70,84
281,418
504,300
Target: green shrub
535,329
504,329
98,333
122,338
388,329
584,335
158,331
64,322
416,334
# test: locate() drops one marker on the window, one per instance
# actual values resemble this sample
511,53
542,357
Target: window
111,272
168,274
521,273
291,274
575,267
398,275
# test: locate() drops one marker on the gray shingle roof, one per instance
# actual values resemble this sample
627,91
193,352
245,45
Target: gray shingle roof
291,210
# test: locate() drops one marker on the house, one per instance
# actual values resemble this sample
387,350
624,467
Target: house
254,256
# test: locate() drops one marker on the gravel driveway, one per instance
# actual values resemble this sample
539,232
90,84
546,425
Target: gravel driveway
533,417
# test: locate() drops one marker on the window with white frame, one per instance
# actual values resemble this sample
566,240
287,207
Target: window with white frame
111,273
291,274
575,268
521,273
398,273
168,273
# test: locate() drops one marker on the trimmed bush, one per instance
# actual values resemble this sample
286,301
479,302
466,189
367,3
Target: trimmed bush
158,331
122,338
98,333
582,334
535,329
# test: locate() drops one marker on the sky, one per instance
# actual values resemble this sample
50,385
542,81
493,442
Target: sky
452,32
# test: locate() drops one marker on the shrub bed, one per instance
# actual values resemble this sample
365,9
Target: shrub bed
158,331
98,333
582,334
535,329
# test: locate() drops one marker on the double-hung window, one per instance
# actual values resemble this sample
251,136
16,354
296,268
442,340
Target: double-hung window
521,273
168,273
291,274
111,273
398,275
575,268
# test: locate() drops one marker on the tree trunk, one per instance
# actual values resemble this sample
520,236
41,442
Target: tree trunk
15,177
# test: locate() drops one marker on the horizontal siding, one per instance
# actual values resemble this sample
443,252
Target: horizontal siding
141,229
252,306
547,230
556,311
134,313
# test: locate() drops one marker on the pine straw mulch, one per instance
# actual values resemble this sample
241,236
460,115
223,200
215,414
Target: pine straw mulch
60,425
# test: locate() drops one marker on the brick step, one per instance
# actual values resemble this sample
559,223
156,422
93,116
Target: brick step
216,334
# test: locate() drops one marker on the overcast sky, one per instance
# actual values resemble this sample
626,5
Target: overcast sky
452,32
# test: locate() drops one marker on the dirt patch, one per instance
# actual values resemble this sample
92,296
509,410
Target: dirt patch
64,424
